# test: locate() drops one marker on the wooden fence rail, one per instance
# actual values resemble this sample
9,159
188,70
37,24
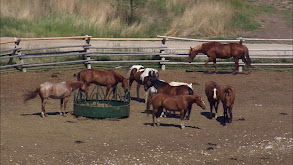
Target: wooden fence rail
86,55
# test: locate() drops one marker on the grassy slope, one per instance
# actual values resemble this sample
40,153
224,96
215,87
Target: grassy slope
110,18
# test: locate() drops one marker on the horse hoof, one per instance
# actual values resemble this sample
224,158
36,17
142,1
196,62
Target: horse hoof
182,127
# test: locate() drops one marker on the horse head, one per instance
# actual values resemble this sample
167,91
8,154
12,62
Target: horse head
199,101
193,52
125,83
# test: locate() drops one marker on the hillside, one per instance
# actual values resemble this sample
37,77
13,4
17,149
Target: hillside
140,18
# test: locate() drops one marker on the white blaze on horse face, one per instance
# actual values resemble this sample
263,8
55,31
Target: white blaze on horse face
215,93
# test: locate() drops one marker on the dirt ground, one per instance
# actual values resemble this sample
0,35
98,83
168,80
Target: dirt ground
261,132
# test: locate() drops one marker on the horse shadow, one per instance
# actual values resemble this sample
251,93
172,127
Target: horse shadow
167,115
170,125
48,113
219,119
137,99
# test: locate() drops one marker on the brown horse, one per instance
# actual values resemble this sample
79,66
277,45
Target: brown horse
138,73
212,90
107,78
60,91
179,103
164,87
227,98
218,50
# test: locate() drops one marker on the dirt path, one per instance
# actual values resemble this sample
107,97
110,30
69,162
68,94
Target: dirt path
261,132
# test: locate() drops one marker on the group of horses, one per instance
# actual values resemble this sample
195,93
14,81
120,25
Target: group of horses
173,96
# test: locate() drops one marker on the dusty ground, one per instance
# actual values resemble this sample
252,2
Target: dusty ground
261,132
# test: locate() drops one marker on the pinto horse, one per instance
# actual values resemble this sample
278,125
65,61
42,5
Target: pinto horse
212,90
138,73
179,103
164,87
60,91
227,98
108,78
218,50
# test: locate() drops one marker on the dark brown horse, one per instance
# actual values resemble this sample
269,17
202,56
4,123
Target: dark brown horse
60,91
227,98
213,93
218,50
164,87
179,103
107,78
138,73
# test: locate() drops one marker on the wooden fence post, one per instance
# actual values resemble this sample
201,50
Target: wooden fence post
240,60
87,41
163,66
20,54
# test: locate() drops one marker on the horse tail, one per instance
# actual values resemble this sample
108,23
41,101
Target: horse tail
190,91
247,58
78,76
31,94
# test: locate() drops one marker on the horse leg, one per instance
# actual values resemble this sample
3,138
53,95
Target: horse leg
210,59
230,113
216,109
189,111
107,90
43,113
211,113
87,91
236,60
215,65
61,105
137,91
148,101
158,114
225,113
65,103
182,115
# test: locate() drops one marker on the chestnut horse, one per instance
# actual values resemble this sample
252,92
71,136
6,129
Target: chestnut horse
227,98
212,90
60,91
218,50
108,78
179,103
138,73
164,87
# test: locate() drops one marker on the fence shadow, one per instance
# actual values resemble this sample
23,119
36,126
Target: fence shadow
39,114
171,125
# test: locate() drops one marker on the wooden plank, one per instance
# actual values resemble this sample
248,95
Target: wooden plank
127,39
159,47
55,38
54,63
130,61
197,40
14,65
54,55
55,47
7,42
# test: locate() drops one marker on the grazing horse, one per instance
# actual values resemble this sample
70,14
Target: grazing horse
60,91
212,90
227,98
218,50
179,103
164,87
108,78
138,73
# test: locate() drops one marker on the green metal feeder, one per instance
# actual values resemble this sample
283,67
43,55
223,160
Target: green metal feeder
97,105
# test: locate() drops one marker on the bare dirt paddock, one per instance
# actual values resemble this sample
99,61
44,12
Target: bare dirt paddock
261,132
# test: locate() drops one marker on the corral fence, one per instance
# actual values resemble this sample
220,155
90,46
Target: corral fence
86,54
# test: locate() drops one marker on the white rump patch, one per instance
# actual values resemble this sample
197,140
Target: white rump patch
176,83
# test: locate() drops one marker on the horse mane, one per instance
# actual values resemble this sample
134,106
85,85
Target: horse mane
158,82
227,91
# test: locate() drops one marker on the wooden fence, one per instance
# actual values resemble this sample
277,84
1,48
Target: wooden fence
86,52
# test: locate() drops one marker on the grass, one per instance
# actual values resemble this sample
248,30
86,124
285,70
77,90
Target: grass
184,18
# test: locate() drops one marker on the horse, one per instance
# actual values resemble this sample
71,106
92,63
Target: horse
152,90
212,90
60,91
227,98
218,50
164,87
138,73
108,78
179,103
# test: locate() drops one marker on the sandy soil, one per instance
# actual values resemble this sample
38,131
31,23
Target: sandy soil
261,132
